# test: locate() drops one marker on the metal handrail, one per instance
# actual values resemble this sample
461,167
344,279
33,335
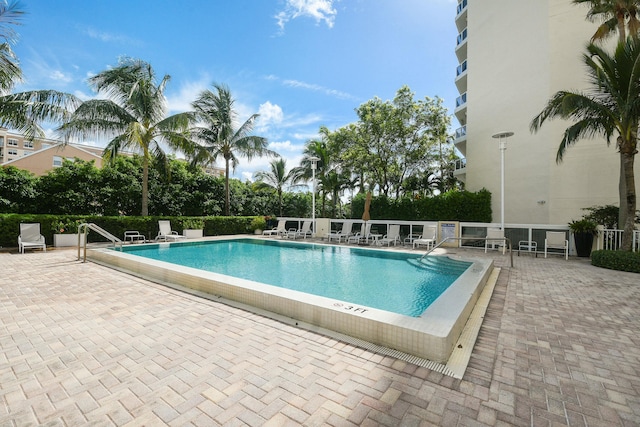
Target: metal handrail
101,231
506,240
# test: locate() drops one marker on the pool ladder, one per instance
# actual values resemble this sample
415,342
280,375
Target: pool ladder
506,241
101,231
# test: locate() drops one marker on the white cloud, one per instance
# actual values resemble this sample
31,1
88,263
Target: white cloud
319,10
281,146
59,76
110,37
247,176
269,114
188,92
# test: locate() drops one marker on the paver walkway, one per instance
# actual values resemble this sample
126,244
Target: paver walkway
81,344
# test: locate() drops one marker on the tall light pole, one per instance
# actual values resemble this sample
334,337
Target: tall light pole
314,165
502,144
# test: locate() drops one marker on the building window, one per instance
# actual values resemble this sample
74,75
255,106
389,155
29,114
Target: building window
12,142
27,144
12,152
57,161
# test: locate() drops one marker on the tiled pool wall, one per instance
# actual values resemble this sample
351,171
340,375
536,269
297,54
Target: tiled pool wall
431,335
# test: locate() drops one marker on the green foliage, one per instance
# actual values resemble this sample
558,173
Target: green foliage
116,225
257,223
17,190
192,223
66,226
450,206
606,215
616,260
584,226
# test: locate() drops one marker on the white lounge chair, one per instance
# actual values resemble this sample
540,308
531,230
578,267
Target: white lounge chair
302,232
362,235
344,233
392,236
166,233
498,235
556,240
30,237
427,238
280,230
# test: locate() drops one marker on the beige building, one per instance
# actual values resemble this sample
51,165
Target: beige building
41,155
514,55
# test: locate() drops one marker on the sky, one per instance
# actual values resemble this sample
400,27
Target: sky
300,64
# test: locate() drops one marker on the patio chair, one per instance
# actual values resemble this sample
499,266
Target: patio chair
166,233
362,235
392,236
30,237
498,235
301,232
280,230
344,233
427,238
556,240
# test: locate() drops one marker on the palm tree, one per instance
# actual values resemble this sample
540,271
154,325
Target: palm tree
25,111
620,16
611,107
616,15
278,178
218,136
133,116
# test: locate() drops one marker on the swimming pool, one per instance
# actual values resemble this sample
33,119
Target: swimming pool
391,281
430,335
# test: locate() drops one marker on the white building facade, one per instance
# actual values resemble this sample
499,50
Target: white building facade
514,55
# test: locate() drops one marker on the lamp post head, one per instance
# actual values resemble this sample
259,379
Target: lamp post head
314,162
502,139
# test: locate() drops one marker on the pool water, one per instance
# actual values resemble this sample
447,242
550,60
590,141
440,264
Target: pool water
391,281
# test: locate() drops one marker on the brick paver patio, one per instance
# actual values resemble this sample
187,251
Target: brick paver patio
81,344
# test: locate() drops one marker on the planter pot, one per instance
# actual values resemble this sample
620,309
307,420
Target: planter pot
584,243
65,240
192,234
257,231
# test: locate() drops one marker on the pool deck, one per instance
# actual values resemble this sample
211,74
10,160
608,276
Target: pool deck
84,344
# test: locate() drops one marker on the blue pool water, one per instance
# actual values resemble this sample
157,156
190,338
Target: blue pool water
391,281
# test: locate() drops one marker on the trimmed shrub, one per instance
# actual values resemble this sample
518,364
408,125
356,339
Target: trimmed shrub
117,225
616,260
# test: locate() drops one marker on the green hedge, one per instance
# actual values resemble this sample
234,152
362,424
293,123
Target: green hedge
616,260
450,206
117,225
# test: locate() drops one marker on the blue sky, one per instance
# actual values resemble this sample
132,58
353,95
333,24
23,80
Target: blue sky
300,64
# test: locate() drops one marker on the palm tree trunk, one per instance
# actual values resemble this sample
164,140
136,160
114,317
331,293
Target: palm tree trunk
630,205
280,200
145,183
622,193
227,196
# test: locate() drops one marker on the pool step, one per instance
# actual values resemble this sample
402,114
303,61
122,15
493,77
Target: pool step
440,264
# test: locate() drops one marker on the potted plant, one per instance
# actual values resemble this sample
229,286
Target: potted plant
583,231
257,225
65,233
193,228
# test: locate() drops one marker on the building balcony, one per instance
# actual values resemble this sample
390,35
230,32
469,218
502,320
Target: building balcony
461,15
461,77
461,108
460,169
460,140
461,46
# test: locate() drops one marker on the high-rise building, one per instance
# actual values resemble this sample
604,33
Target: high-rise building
513,56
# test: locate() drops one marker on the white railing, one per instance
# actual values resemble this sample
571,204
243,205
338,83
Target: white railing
611,239
460,164
461,68
462,37
461,131
461,7
461,100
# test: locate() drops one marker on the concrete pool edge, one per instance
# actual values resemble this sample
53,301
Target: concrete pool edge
430,336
